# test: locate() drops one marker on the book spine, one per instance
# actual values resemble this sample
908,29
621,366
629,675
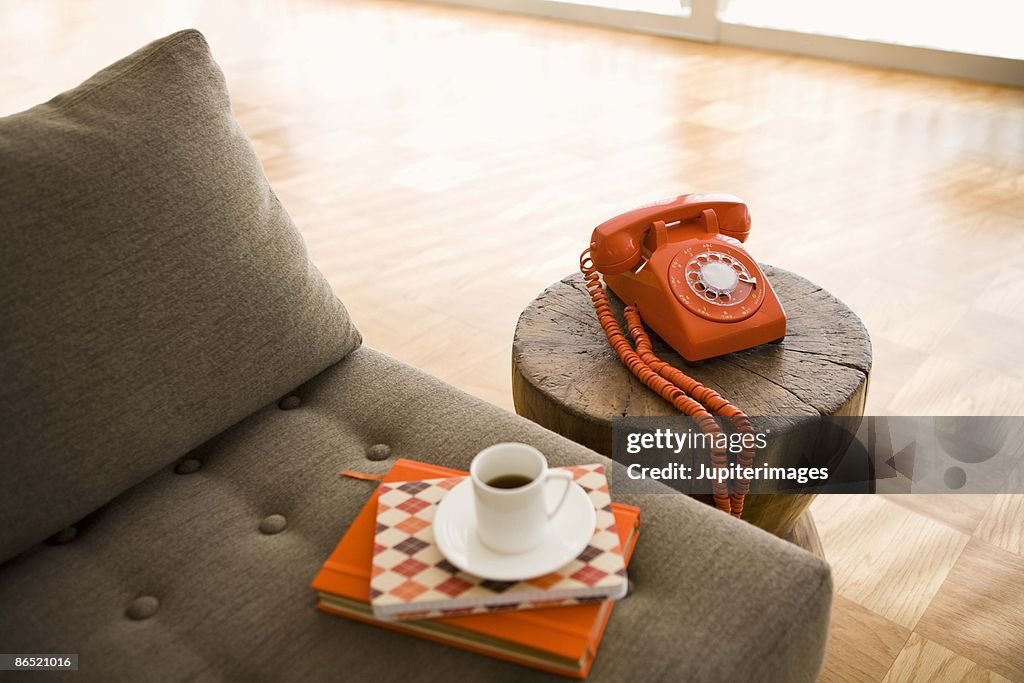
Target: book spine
495,652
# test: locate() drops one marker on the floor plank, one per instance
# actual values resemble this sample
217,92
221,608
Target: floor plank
1003,523
925,661
963,512
862,645
885,557
979,611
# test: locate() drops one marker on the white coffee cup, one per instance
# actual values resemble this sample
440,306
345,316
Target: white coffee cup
514,519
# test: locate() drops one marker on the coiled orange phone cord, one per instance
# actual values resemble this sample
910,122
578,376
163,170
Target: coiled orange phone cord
685,393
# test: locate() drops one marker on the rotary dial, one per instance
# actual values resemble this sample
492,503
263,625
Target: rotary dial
716,282
719,278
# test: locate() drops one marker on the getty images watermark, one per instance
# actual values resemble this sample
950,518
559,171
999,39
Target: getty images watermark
816,454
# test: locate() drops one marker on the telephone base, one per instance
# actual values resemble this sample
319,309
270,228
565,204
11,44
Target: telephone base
682,265
694,337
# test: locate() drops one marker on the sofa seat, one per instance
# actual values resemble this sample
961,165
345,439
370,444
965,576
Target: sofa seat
202,571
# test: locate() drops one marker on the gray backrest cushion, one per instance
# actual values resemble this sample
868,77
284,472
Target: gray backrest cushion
154,291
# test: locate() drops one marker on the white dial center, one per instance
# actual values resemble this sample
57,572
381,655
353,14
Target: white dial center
719,276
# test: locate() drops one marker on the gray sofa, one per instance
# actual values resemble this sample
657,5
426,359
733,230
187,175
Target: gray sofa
180,390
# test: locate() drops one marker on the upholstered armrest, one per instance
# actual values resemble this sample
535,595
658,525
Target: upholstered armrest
203,570
717,599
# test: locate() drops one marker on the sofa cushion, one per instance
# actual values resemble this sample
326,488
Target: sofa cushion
154,290
202,572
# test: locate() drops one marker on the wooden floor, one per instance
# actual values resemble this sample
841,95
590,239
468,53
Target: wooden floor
446,165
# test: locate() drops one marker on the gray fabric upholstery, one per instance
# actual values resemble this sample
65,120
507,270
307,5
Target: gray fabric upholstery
154,290
205,575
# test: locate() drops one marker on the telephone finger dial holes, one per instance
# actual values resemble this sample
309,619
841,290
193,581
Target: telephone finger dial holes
715,284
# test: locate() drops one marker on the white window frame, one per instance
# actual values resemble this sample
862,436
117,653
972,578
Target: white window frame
698,22
701,22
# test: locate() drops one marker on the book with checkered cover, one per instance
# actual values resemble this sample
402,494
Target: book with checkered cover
562,640
412,580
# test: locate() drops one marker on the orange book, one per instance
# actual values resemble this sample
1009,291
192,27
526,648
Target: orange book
561,640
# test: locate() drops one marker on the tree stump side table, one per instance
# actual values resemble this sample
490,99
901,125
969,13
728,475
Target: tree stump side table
567,378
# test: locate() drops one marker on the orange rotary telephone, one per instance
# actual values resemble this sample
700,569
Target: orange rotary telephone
680,265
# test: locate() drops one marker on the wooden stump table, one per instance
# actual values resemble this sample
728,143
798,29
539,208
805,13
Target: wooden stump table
567,378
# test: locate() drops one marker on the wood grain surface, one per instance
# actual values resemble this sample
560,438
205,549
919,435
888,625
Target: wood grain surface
862,645
985,627
563,358
566,377
924,660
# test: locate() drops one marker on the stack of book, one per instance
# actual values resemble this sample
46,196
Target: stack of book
388,571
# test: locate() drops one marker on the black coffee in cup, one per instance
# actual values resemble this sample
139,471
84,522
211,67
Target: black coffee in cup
509,481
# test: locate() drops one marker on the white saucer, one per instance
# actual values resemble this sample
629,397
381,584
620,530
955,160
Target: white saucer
568,534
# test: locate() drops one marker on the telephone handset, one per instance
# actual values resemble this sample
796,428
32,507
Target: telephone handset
680,266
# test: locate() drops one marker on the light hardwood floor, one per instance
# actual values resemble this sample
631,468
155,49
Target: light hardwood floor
446,165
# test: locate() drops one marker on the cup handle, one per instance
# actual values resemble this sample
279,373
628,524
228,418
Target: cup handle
568,479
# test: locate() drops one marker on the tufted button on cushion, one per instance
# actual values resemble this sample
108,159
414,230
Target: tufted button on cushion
187,466
378,451
142,607
290,402
65,535
273,524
